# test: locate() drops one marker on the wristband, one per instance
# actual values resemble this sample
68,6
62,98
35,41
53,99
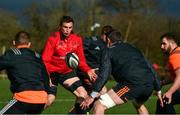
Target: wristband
94,94
159,92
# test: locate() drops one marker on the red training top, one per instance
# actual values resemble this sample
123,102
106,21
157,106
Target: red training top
56,49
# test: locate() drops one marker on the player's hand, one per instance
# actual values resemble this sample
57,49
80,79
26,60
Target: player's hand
51,99
159,95
167,97
92,75
87,101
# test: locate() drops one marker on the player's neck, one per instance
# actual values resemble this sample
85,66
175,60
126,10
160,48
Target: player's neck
23,46
173,47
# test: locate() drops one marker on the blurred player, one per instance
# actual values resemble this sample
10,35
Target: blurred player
28,76
93,47
169,46
134,76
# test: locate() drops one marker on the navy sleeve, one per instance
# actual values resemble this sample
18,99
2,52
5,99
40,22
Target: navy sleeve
46,79
104,71
86,43
4,61
156,81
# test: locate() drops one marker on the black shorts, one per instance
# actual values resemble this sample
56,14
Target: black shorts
87,84
17,107
133,92
57,78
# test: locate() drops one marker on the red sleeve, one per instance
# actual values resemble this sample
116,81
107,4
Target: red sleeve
48,51
82,60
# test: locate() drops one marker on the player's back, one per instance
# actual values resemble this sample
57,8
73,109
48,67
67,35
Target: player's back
93,47
23,68
129,64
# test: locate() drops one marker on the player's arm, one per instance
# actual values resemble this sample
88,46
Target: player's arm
46,79
4,61
83,65
176,84
48,51
104,73
156,81
175,62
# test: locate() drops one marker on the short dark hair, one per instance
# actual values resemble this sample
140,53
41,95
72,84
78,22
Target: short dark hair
106,29
22,38
170,36
115,36
66,19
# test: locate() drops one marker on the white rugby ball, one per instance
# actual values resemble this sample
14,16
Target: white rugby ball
72,60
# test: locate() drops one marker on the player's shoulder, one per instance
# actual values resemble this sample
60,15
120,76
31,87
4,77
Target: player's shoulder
54,35
176,51
13,51
34,53
93,39
76,37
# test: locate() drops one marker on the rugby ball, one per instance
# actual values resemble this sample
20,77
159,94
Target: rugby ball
72,60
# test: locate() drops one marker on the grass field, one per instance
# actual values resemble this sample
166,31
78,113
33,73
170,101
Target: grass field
65,101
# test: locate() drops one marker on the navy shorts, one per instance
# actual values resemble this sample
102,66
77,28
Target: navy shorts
133,92
18,107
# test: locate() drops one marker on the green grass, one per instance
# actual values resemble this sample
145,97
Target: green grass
65,101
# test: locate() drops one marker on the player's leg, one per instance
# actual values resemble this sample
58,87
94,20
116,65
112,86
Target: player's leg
118,95
106,101
142,98
17,107
13,107
75,86
140,107
34,108
88,87
72,83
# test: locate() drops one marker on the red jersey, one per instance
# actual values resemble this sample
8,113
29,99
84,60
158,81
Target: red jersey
56,49
174,62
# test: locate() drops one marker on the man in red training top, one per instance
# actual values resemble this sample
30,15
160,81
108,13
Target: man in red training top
57,46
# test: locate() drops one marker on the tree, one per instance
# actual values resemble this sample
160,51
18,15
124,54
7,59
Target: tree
8,28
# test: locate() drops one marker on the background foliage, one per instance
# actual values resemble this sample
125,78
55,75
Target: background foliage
141,22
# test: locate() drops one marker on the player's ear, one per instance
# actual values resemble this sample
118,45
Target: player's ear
14,43
108,42
29,44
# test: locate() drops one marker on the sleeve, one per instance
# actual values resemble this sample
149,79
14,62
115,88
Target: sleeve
83,65
48,51
46,79
4,61
104,71
156,82
86,43
175,61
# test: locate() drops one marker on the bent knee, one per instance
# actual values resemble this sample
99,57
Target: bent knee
99,105
107,101
80,92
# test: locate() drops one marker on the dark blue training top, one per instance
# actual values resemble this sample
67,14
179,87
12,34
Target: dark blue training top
127,64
